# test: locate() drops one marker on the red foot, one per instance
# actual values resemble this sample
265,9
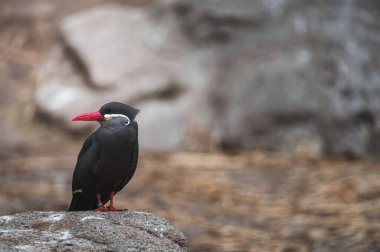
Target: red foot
101,209
112,208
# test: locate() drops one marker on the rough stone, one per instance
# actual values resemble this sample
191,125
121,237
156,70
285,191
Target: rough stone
83,231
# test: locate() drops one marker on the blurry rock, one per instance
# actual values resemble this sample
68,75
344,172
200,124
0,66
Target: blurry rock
167,128
135,55
112,41
271,105
65,94
291,76
273,75
83,231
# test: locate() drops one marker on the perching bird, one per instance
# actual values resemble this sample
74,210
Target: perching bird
108,158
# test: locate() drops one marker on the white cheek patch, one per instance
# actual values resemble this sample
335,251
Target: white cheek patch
110,116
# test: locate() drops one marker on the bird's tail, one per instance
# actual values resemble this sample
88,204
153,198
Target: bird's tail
85,202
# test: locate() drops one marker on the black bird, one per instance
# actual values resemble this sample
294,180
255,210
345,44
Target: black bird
108,158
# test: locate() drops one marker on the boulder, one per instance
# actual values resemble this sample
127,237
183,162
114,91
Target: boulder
290,75
135,55
275,75
84,231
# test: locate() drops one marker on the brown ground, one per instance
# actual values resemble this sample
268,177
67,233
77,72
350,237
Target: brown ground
241,202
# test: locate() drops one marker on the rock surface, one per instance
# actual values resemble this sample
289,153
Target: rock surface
297,76
135,55
300,76
83,231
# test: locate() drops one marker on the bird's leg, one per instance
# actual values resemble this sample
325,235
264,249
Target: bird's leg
100,208
111,207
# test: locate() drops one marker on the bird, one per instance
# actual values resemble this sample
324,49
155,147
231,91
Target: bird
108,158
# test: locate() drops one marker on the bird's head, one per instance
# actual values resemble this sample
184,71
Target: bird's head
108,112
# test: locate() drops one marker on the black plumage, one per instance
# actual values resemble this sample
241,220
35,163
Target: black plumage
108,158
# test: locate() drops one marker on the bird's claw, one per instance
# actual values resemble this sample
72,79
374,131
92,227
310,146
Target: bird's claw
101,209
108,209
112,209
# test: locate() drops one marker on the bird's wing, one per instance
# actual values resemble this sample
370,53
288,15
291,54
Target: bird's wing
133,163
87,158
87,144
132,166
82,177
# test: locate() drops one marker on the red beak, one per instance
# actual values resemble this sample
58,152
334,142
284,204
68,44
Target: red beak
93,116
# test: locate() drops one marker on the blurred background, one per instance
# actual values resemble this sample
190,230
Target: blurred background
259,123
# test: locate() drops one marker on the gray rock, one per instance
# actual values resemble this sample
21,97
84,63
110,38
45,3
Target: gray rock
292,76
65,94
171,118
112,41
137,56
83,231
275,75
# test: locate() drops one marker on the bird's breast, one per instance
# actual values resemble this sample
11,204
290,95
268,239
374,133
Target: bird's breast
116,140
